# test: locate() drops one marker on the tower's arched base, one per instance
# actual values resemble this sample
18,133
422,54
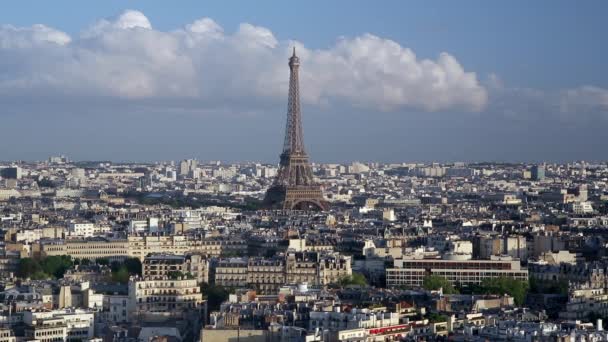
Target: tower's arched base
295,198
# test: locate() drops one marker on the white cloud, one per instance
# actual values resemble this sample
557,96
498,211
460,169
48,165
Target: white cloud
129,19
27,37
206,27
203,65
371,71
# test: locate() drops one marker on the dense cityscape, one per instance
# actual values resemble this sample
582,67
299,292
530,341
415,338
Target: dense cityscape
184,250
296,250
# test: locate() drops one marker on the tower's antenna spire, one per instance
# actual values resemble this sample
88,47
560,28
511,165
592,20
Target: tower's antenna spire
294,51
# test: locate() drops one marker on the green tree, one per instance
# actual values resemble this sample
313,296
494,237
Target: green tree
121,275
133,265
51,266
355,279
121,272
115,266
505,285
549,286
435,282
434,317
358,279
56,265
27,268
215,295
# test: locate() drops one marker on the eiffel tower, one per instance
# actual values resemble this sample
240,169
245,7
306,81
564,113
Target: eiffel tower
294,187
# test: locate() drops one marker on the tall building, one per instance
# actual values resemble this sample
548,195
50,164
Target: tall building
538,172
294,187
187,167
11,172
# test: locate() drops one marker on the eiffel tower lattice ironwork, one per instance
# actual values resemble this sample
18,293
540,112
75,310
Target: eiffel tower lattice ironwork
294,187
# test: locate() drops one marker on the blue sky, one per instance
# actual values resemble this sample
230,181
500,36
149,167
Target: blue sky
539,91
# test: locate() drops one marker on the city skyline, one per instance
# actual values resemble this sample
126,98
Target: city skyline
319,171
144,85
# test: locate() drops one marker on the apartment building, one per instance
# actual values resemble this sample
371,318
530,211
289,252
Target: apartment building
334,267
231,272
163,298
301,267
356,318
137,247
266,275
46,330
81,229
514,246
584,301
115,308
7,335
411,272
166,266
360,325
59,325
141,246
218,247
95,248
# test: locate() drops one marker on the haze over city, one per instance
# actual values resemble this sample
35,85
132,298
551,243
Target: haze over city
397,81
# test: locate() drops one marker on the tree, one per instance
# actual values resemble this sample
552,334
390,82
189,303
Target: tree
358,279
121,275
435,282
133,265
549,286
115,266
28,267
51,266
56,265
216,295
121,272
354,279
436,318
505,285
